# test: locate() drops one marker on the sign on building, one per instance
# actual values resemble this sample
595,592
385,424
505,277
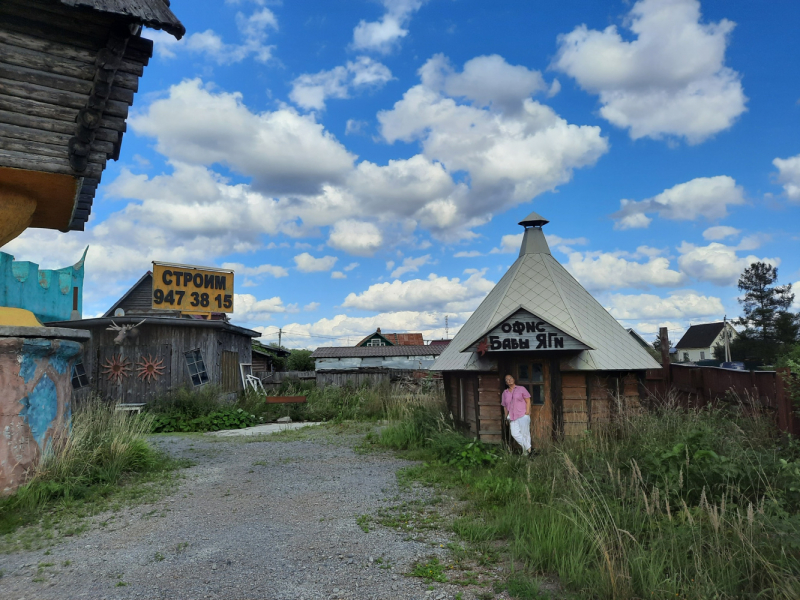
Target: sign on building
525,332
192,289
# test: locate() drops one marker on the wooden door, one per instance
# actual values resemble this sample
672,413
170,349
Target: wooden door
231,375
133,374
534,375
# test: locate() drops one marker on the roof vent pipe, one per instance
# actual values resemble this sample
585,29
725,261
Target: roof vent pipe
534,242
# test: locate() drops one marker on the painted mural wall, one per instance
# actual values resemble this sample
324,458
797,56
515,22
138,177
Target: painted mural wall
48,294
35,380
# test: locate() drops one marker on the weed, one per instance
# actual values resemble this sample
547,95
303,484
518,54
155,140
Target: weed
181,547
159,557
363,522
430,571
121,584
66,563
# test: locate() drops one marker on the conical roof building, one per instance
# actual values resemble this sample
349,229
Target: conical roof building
541,326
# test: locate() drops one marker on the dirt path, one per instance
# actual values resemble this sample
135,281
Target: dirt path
252,519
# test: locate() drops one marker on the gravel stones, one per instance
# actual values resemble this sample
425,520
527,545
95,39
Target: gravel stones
259,520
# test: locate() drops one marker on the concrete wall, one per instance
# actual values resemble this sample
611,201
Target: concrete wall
35,395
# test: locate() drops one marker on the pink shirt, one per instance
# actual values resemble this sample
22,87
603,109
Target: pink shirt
514,402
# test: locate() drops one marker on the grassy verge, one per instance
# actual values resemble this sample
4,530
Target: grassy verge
663,505
104,462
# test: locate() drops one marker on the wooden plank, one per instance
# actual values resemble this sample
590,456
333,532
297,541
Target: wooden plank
59,97
39,149
285,399
53,125
556,397
573,380
574,393
49,164
574,429
46,137
491,438
21,57
50,111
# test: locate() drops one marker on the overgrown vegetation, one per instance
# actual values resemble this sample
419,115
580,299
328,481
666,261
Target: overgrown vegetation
669,504
80,472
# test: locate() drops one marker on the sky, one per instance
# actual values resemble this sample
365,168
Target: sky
364,163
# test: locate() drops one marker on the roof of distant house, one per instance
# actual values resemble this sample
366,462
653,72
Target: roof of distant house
441,343
395,339
700,336
361,351
270,350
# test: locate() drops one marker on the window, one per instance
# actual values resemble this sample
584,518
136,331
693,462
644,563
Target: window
686,357
531,377
702,355
197,368
79,378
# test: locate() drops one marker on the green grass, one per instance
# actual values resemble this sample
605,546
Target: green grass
104,462
429,571
664,505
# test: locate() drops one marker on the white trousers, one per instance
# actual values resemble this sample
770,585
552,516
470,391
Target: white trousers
521,431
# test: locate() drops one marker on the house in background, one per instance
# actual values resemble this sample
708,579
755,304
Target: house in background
137,354
642,342
415,358
391,339
699,341
265,358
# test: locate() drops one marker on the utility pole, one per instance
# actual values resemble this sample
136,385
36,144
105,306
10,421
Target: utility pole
726,338
280,332
446,327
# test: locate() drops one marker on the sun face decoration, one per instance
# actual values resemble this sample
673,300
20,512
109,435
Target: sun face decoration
116,368
150,368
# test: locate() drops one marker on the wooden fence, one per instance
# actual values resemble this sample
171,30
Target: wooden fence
701,386
340,378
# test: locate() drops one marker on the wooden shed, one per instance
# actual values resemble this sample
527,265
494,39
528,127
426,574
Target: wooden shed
160,352
69,70
540,325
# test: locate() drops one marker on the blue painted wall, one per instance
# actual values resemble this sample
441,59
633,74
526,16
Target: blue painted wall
47,294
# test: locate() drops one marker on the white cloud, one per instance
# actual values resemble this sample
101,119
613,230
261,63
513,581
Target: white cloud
282,150
789,176
707,197
511,243
248,309
670,79
613,270
311,306
338,275
432,294
355,127
716,263
272,270
310,91
356,237
511,157
253,30
308,264
720,232
467,254
382,36
680,304
411,265
347,330
351,266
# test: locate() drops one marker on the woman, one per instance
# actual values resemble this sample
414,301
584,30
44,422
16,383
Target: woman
517,407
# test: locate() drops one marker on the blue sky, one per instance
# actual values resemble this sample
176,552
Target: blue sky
363,164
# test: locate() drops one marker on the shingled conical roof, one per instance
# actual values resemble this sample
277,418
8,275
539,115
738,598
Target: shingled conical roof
538,284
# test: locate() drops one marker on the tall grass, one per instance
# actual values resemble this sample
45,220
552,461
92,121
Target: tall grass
666,504
101,448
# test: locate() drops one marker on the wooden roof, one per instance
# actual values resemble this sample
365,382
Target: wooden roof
150,13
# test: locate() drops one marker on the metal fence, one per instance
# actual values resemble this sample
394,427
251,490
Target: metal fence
698,386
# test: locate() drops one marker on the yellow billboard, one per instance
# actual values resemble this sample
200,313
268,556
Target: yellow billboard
192,289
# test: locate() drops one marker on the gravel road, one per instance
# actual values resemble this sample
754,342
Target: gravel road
252,519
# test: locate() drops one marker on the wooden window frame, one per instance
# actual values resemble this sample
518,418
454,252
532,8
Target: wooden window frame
200,372
81,378
528,383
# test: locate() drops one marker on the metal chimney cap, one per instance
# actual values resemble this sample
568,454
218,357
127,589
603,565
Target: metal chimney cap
534,220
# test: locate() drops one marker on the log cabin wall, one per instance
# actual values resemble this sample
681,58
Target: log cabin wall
461,395
490,410
576,405
168,344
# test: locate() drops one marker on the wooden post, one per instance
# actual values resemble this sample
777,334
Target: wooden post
783,399
663,335
557,398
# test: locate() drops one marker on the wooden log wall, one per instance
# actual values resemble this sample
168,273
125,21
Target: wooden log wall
576,405
66,84
490,410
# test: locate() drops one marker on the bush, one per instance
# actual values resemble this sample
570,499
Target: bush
690,504
102,448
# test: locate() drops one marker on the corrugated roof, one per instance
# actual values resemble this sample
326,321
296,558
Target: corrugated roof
155,14
537,282
356,352
700,336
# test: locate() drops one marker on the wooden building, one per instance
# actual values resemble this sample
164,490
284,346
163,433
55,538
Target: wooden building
542,327
69,70
136,354
266,358
391,339
346,358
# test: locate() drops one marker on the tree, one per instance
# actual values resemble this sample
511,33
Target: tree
768,324
300,360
